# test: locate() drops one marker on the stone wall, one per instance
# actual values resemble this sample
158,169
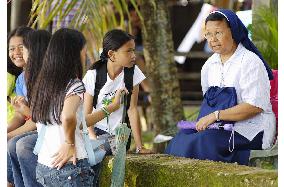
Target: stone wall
167,171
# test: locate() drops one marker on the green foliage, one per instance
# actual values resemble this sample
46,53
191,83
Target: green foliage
93,17
265,33
192,114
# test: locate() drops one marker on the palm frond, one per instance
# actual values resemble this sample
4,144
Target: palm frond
94,16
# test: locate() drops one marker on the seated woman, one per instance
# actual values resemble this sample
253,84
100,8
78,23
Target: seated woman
236,63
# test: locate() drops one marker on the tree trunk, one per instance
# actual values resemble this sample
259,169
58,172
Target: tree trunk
20,10
160,66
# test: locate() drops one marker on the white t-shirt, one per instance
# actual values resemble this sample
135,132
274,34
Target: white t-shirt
246,72
54,136
107,94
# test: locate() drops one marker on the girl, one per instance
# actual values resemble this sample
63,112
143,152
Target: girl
34,47
55,100
15,66
118,54
20,148
118,57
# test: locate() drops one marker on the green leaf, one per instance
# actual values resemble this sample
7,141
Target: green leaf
94,16
265,34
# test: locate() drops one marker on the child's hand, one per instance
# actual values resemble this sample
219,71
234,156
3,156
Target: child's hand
145,151
117,97
64,154
20,105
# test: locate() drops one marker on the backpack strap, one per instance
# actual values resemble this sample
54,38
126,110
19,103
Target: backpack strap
101,78
128,80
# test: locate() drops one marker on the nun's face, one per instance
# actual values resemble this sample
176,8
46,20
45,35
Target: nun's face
219,37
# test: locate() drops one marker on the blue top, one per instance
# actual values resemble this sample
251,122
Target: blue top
21,88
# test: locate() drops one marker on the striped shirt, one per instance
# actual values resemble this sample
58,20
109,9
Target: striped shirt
54,136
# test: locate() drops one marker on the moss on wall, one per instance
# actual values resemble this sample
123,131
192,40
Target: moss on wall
166,171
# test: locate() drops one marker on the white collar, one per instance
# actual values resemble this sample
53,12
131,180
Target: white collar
217,59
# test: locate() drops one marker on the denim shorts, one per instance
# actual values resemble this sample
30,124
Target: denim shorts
69,175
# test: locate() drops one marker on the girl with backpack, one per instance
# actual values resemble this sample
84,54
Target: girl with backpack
104,82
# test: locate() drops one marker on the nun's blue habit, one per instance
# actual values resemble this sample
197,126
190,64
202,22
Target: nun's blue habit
213,144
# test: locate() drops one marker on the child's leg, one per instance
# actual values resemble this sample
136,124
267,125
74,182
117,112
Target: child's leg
11,148
9,171
27,160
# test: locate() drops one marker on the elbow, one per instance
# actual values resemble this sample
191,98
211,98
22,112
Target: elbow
131,111
69,119
88,120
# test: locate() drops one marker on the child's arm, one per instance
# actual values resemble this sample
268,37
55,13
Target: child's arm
69,121
27,127
94,117
134,121
17,121
91,119
21,111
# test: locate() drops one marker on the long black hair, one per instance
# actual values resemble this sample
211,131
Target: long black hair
62,63
21,31
113,40
36,43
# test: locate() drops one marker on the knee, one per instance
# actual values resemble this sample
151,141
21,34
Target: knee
24,147
11,146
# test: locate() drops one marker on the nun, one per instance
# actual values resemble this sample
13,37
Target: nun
236,63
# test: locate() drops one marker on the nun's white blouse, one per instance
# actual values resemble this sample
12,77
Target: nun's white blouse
246,72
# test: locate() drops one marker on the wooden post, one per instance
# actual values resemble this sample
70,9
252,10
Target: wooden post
227,4
20,10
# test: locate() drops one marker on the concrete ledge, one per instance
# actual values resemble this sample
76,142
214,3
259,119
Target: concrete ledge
159,170
265,153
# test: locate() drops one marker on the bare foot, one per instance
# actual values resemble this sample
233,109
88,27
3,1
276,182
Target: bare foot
145,151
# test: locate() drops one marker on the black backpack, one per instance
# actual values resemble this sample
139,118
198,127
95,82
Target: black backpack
101,78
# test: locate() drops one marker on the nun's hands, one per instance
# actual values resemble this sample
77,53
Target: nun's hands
63,155
205,121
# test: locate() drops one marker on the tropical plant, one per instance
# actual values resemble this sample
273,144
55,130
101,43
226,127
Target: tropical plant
93,17
265,33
